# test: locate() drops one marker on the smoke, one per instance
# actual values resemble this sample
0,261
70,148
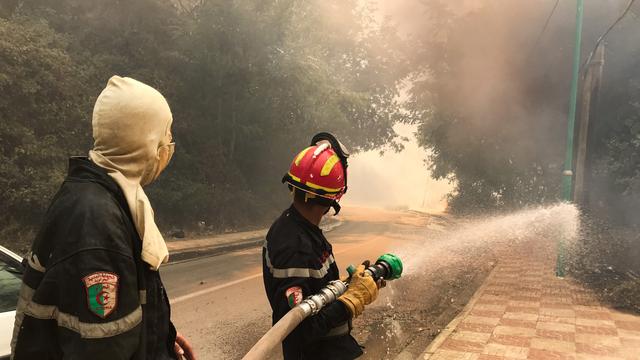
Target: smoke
395,179
509,91
491,88
502,77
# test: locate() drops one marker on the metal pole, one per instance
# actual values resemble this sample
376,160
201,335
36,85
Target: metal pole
567,174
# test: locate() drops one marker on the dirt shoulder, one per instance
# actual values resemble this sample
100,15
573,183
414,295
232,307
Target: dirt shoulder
606,259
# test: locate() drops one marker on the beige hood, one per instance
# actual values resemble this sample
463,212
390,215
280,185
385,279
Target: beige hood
130,122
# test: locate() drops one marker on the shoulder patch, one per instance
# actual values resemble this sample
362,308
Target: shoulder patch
102,292
294,296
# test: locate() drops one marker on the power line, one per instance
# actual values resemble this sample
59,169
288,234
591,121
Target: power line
624,13
546,24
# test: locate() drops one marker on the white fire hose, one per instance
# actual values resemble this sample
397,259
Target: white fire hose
308,307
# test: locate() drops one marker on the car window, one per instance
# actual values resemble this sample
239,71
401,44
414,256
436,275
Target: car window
10,280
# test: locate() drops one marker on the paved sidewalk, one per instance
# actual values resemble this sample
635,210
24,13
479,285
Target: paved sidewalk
523,311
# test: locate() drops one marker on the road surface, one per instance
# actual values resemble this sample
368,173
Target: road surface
219,303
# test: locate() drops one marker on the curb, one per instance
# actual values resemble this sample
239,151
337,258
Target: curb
206,251
450,328
213,250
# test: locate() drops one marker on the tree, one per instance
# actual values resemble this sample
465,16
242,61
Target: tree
490,96
261,79
41,118
248,82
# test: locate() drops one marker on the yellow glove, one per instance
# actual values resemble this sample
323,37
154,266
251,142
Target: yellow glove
362,291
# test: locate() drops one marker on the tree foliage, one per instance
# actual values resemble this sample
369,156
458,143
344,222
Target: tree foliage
248,82
615,144
39,86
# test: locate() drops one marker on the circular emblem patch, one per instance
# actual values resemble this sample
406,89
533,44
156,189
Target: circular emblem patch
294,295
102,292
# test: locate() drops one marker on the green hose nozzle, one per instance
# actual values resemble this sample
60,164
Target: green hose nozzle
395,266
388,267
351,269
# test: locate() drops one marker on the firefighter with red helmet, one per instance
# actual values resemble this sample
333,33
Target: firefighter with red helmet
298,260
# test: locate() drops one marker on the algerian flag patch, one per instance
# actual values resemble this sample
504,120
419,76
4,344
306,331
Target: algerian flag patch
294,296
102,292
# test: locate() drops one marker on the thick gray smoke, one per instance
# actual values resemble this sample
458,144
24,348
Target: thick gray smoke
503,77
491,94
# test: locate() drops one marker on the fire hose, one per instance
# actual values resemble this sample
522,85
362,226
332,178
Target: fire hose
387,267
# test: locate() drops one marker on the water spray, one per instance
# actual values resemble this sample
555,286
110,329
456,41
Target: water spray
387,267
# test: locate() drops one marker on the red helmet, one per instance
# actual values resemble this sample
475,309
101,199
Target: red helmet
321,170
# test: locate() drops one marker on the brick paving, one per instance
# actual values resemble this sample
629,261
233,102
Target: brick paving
523,311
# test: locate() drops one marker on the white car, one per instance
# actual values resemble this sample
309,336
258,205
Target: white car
10,280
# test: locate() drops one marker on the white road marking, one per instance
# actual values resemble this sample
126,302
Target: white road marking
186,297
212,289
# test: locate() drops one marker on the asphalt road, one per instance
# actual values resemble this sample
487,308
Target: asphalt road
218,302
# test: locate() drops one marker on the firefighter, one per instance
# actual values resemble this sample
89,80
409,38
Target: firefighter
91,289
298,260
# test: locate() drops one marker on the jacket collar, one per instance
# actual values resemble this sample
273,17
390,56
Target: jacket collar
295,214
83,169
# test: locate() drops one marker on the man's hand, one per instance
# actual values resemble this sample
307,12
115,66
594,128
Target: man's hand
362,291
183,348
380,283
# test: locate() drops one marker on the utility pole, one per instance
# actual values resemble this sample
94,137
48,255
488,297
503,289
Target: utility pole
567,174
590,87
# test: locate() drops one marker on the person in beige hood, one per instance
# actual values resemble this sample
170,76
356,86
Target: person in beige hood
133,142
94,267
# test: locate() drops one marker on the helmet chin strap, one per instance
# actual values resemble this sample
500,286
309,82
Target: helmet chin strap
320,201
327,202
336,208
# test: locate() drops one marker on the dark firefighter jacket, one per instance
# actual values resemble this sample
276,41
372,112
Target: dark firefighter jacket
297,257
86,293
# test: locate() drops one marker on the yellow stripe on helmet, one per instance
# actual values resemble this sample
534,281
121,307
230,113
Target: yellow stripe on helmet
312,185
329,164
330,190
295,178
301,155
329,196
